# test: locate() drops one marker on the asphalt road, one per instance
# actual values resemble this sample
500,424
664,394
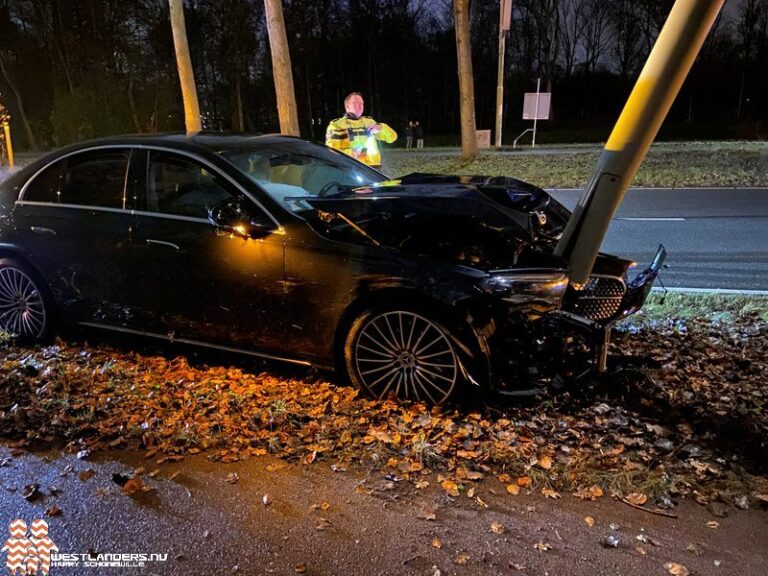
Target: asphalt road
716,238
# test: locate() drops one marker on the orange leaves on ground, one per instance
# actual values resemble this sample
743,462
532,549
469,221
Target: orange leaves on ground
636,498
591,493
99,398
450,487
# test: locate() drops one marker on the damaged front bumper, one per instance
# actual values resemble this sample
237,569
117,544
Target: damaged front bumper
570,343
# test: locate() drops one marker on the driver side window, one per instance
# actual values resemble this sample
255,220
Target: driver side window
181,187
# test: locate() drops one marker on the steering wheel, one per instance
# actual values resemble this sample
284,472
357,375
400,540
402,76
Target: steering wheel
328,187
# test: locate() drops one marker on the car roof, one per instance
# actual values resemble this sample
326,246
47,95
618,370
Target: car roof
212,141
202,142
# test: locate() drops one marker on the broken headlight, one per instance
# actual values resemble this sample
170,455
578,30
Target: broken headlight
542,287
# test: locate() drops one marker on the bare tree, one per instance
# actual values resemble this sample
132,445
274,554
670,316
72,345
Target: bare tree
573,18
594,40
466,84
19,104
281,68
184,64
626,23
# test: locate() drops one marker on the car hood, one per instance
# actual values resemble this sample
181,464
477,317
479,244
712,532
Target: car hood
487,221
496,201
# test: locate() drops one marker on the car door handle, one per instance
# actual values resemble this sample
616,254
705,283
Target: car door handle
43,231
152,242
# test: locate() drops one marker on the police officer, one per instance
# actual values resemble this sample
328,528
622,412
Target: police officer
357,135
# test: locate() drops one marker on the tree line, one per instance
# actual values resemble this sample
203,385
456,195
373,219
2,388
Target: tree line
74,69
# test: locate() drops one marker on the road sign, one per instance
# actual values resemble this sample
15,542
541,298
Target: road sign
536,105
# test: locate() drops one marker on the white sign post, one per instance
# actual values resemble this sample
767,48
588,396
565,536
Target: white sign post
536,107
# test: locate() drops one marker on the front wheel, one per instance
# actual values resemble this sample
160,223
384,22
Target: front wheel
399,351
24,308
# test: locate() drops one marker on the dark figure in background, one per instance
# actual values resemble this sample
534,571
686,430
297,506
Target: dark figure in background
409,135
418,134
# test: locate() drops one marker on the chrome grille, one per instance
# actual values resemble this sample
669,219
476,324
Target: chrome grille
600,299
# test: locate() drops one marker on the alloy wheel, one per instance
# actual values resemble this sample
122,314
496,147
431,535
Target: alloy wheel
22,310
406,354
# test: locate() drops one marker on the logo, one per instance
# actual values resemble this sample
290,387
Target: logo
29,554
32,553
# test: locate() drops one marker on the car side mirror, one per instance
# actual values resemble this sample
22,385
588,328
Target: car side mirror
233,216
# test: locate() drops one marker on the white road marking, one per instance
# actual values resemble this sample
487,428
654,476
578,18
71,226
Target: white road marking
654,219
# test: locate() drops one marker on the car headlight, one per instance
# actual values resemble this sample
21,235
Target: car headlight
528,286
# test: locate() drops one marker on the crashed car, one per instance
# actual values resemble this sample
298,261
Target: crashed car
423,287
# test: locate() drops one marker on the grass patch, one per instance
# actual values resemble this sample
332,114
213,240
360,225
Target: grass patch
719,308
666,165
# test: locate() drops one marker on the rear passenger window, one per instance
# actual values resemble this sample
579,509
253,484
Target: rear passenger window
95,178
45,186
180,187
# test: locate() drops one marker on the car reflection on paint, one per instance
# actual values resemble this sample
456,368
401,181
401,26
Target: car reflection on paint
421,287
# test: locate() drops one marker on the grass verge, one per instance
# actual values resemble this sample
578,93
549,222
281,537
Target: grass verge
666,165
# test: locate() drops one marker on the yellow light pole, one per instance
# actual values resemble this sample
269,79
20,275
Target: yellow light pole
657,86
5,122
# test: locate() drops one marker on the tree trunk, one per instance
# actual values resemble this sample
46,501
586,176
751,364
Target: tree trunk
184,64
132,104
20,105
281,68
466,84
238,121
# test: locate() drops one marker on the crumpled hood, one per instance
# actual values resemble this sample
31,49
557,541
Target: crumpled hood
498,202
490,223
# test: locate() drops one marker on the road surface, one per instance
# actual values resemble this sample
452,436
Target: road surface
716,238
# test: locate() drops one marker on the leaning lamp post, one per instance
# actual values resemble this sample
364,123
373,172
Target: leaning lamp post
5,124
672,56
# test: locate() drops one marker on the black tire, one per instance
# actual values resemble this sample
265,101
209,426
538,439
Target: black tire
26,310
397,349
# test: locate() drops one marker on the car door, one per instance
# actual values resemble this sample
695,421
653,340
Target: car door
74,223
200,283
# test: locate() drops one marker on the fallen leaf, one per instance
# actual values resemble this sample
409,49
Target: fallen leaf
300,568
133,485
31,492
461,559
589,520
713,524
676,569
497,528
549,493
436,543
87,474
545,462
52,511
637,498
591,493
421,484
524,481
450,487
513,489
542,546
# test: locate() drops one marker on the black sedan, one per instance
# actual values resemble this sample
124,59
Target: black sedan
277,247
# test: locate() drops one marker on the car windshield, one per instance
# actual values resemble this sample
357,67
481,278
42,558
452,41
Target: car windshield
290,170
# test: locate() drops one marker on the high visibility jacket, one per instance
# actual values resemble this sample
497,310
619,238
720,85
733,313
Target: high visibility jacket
352,137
